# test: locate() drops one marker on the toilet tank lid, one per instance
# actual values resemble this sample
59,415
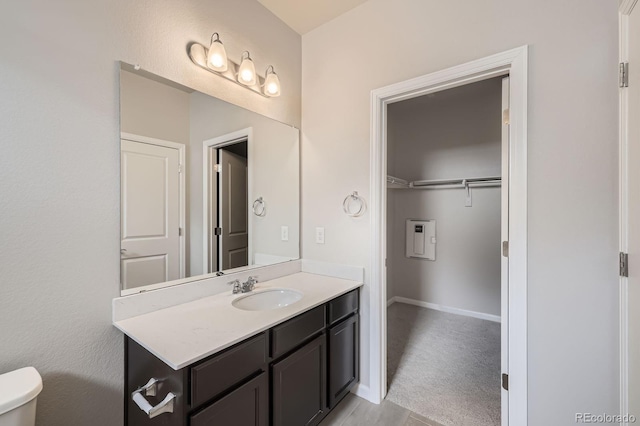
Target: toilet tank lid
18,387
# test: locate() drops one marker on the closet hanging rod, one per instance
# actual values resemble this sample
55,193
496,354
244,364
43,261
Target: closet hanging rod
397,181
487,184
440,182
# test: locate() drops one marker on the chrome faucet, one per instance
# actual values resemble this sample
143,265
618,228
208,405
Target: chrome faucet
250,284
237,287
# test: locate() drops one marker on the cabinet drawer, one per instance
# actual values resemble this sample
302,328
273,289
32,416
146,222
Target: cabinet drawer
292,333
212,377
343,306
247,406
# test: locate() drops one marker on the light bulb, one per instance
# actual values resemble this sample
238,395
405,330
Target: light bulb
271,83
216,60
272,88
246,75
217,55
247,71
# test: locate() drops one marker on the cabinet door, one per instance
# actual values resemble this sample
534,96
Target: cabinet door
343,359
246,406
299,386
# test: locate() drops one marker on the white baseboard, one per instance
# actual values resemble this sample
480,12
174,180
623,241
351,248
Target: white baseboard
436,307
362,391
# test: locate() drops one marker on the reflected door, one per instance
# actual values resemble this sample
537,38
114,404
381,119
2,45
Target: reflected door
150,214
234,241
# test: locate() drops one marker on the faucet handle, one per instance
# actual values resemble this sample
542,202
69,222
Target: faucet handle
251,282
236,286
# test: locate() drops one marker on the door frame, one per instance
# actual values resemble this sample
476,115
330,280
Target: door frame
216,143
623,204
513,63
182,188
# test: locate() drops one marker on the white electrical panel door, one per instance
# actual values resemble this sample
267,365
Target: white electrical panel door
421,239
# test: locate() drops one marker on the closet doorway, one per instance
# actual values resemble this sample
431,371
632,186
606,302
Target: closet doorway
444,260
511,378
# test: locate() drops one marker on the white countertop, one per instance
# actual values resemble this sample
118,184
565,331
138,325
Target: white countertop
183,334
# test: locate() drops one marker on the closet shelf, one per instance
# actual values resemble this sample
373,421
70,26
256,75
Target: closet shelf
476,182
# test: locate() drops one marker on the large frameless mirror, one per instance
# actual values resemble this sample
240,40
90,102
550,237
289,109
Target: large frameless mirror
206,186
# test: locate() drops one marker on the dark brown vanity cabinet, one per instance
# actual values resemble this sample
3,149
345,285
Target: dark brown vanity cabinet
290,375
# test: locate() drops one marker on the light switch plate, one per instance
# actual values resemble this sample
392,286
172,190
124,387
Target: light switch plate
319,235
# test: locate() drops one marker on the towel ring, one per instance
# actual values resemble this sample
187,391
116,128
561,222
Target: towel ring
259,207
352,202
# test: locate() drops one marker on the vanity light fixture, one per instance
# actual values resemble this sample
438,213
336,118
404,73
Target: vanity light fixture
247,71
217,55
271,83
214,59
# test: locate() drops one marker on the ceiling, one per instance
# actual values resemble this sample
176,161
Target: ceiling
305,15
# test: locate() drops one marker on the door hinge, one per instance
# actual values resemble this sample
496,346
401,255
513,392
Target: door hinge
505,116
505,381
505,248
624,264
179,168
217,168
180,232
624,74
217,231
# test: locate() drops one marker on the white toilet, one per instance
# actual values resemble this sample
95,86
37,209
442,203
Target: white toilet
18,392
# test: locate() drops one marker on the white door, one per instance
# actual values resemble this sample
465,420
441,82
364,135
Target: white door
633,214
504,234
150,214
233,208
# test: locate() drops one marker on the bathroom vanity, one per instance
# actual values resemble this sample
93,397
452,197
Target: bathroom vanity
285,366
202,346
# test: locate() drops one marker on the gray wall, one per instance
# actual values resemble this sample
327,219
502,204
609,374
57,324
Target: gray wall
572,158
59,203
451,134
152,109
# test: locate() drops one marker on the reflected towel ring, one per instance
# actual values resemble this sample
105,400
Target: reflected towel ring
354,205
259,207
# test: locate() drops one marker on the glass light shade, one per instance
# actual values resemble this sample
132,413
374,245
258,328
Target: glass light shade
247,72
272,85
217,57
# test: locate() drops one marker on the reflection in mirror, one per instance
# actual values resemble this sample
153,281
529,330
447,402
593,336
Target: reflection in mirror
206,186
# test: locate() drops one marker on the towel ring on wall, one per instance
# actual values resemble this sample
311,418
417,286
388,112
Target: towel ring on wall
354,205
259,207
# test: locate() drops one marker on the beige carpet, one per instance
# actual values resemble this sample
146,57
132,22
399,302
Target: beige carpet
443,366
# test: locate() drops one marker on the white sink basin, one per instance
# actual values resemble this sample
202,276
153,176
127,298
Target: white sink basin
267,300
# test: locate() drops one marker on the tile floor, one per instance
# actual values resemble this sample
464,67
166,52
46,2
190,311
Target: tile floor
355,411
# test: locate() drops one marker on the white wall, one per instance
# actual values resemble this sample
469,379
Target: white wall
448,135
59,196
572,159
